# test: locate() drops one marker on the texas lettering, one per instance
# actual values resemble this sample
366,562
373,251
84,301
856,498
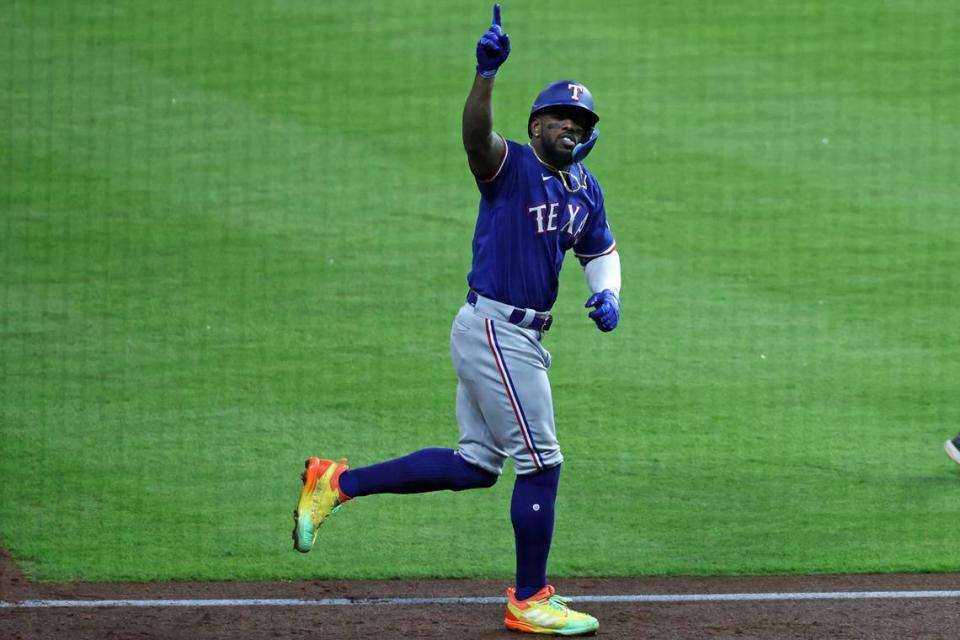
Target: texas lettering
550,217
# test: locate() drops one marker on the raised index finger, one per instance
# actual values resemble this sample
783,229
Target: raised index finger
496,14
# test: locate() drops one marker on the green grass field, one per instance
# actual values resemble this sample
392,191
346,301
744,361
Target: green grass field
234,234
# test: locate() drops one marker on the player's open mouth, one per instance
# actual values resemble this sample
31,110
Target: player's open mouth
568,142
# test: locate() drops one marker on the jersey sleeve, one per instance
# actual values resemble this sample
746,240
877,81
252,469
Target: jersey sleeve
490,187
596,239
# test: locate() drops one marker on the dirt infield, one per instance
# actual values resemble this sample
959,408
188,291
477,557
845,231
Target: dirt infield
904,616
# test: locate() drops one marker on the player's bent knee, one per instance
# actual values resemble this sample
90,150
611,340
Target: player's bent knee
475,477
489,479
482,479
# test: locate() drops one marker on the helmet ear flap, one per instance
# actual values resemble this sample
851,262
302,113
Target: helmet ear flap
583,149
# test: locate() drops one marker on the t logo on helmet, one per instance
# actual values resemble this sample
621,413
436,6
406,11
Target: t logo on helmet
576,89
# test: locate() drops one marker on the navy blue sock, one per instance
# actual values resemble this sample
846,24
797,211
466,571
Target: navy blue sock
531,510
418,472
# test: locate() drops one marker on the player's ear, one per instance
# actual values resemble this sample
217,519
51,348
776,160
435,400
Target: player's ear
535,128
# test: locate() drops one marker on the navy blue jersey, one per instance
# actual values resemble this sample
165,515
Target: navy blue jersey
526,223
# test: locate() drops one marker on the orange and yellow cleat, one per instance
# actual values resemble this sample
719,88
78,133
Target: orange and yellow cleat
547,613
320,497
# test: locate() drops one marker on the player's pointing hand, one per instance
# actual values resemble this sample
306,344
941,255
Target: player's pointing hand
493,48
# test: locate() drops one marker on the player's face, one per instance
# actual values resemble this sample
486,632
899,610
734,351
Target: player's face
560,131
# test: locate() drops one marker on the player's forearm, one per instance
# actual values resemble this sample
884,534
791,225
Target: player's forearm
478,136
604,273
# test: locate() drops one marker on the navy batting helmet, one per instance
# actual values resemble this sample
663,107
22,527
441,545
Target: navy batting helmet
565,93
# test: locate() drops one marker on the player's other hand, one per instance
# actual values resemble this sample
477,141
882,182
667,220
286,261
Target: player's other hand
606,311
493,48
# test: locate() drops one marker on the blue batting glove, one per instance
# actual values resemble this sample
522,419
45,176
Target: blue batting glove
607,311
493,48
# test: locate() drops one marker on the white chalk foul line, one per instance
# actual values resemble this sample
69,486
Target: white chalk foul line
341,602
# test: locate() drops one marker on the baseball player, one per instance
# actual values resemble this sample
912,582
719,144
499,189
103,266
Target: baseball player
537,201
